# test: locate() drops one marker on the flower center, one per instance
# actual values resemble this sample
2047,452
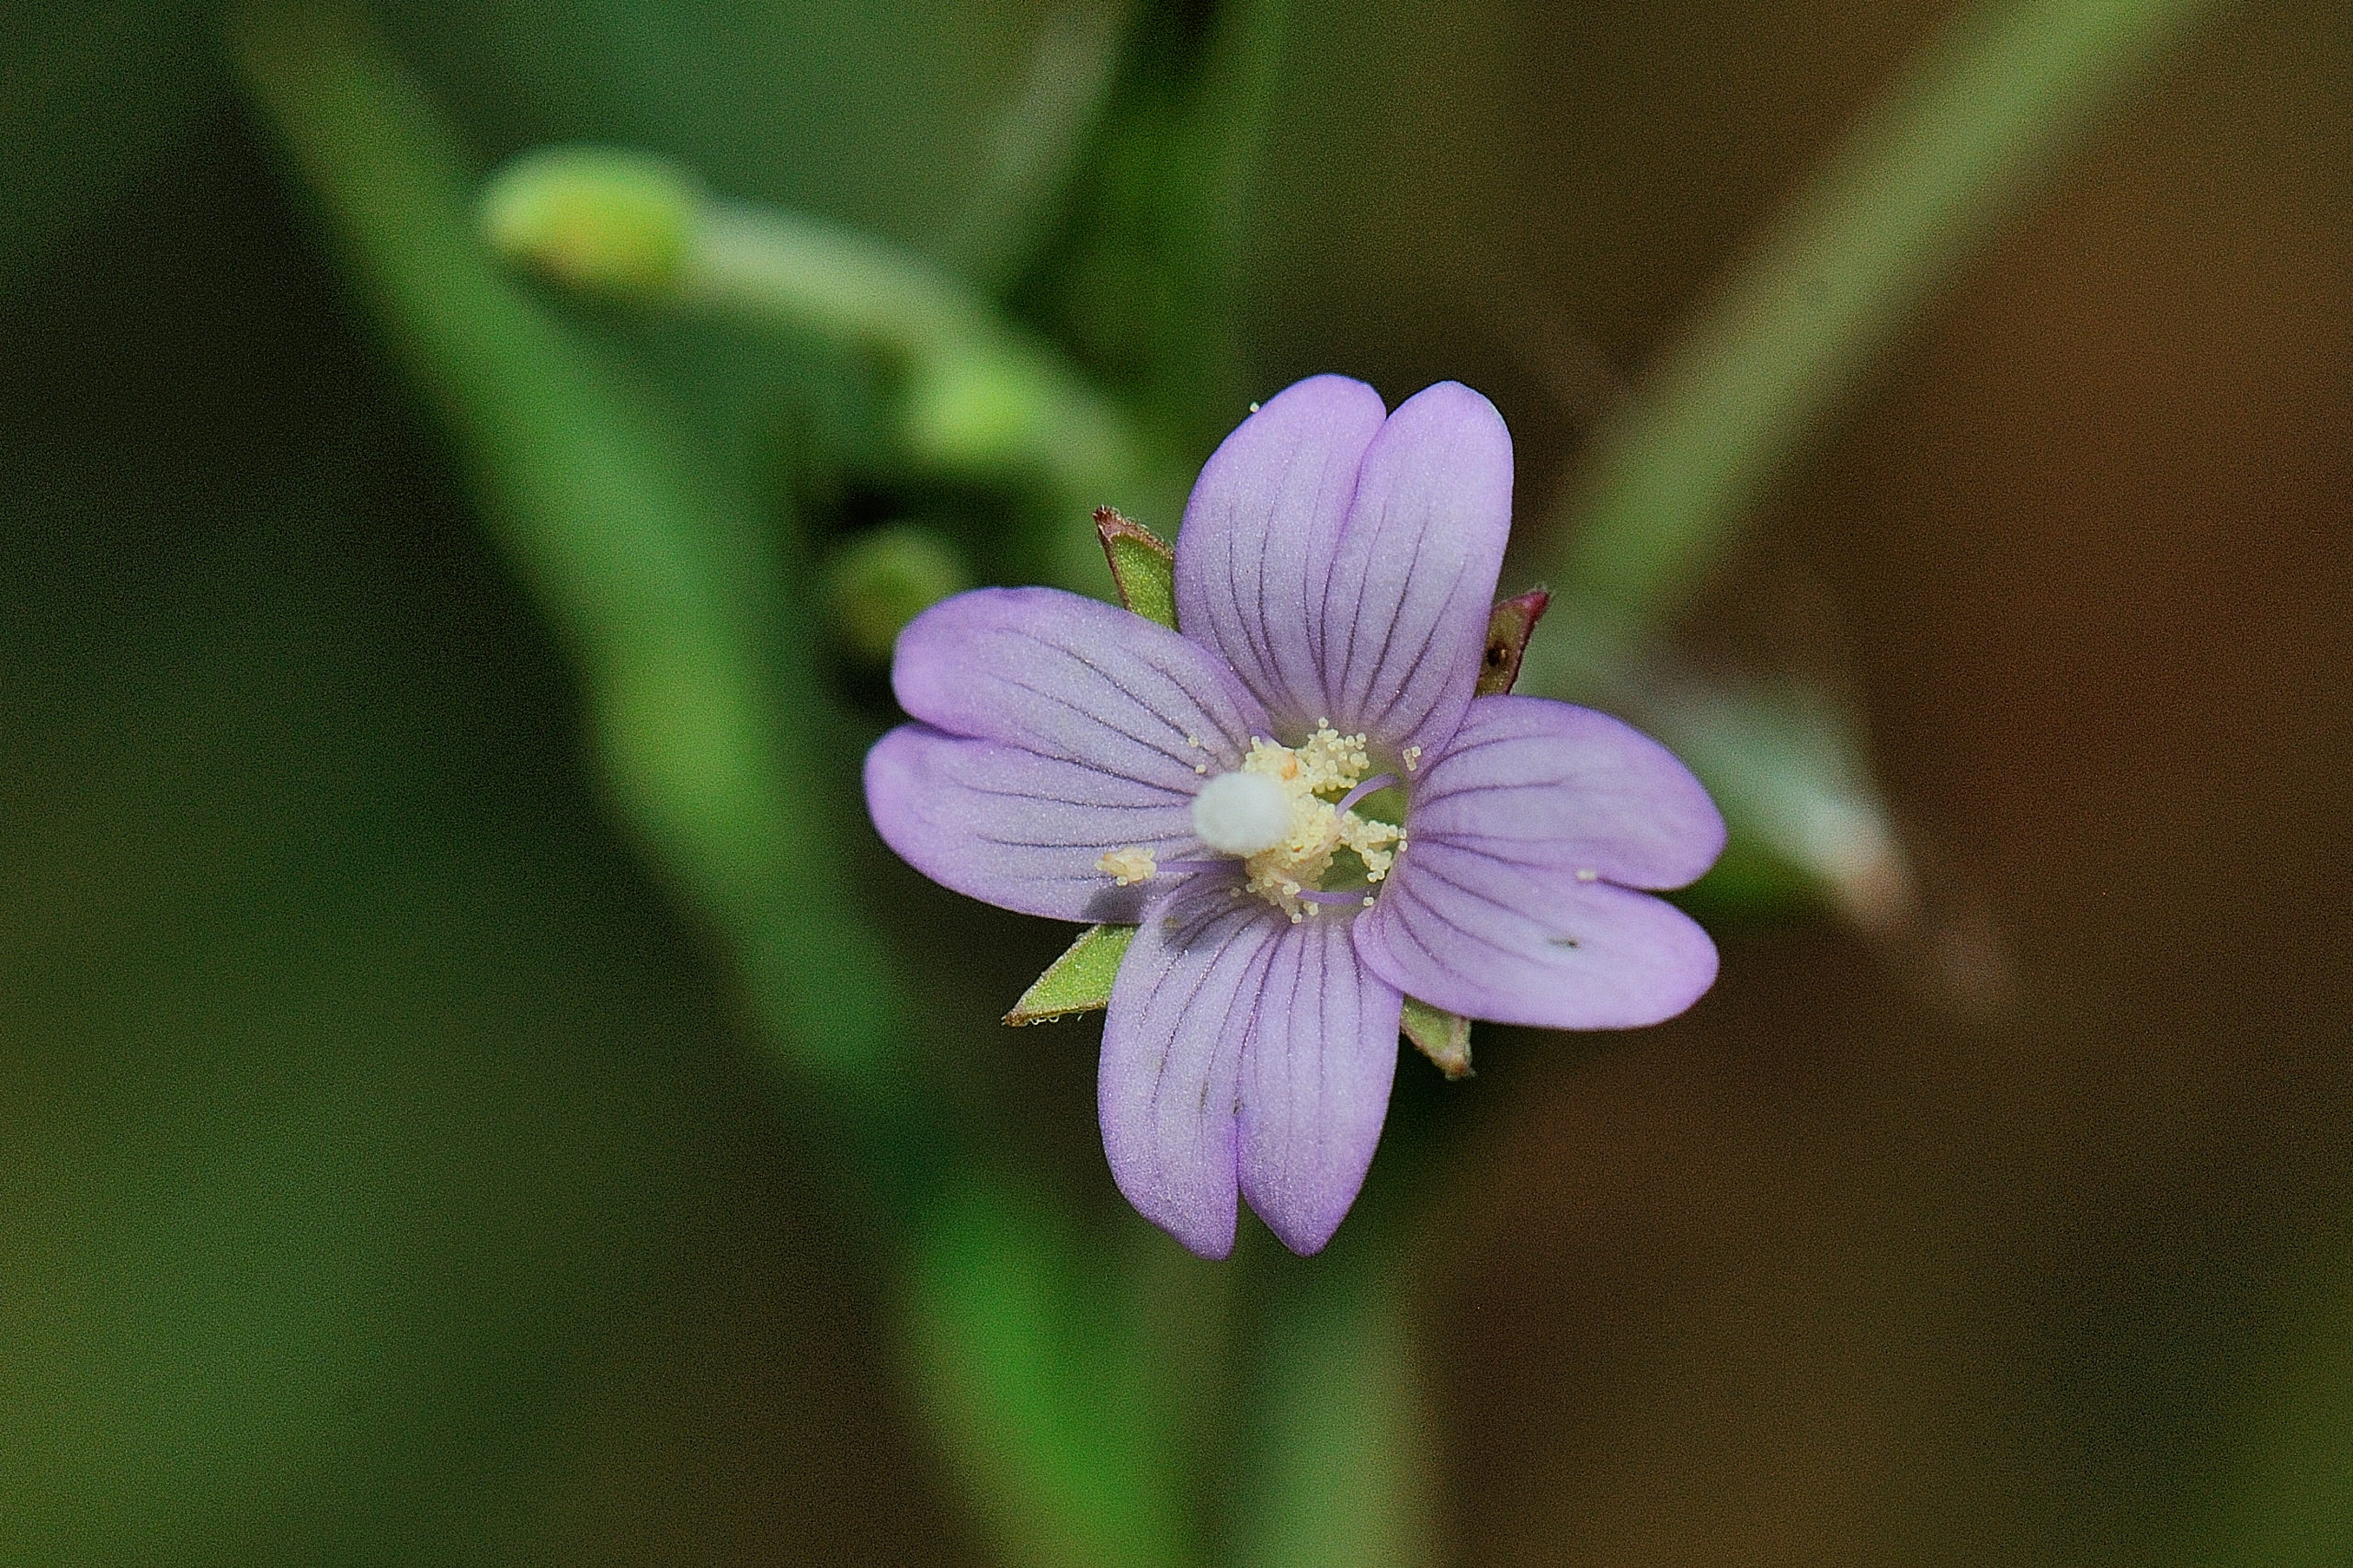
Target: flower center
1273,814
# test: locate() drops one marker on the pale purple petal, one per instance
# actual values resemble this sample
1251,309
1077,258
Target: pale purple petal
1181,1010
1554,786
1260,534
1403,621
1017,829
1077,680
1315,1076
1508,902
1490,937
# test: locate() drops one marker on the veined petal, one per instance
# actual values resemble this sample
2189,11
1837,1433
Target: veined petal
1490,936
1552,787
1075,680
1172,1041
1019,830
1315,1077
1403,619
1259,533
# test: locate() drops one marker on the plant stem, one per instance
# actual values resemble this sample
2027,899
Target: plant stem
1977,123
649,559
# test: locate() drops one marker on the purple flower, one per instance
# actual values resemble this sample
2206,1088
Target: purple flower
1334,578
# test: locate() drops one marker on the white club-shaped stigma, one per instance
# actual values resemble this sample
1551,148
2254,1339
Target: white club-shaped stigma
1242,814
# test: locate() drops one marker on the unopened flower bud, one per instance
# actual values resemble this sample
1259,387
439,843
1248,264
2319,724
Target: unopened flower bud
880,581
598,218
975,409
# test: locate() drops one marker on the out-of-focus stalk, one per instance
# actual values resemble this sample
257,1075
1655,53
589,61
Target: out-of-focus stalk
647,558
650,562
1919,185
1344,1468
1979,120
980,397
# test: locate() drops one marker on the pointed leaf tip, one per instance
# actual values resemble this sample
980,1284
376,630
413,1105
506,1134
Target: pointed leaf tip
1143,564
1509,628
1079,981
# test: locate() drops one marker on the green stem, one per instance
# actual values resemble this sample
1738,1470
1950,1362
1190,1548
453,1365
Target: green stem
1981,118
652,562
1344,1462
1918,186
983,398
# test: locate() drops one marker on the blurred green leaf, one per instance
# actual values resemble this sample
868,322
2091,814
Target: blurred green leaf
352,1079
1750,883
647,551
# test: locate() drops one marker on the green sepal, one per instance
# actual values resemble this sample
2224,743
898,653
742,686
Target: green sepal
1509,627
1143,565
1443,1037
1079,981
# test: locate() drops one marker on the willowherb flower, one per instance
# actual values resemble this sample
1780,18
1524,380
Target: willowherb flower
1224,786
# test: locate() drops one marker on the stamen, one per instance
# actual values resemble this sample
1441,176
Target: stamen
1128,866
1276,813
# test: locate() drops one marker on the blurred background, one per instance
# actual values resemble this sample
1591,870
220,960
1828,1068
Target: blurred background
473,1090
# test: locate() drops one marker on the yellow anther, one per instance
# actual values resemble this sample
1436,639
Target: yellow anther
1327,763
1128,866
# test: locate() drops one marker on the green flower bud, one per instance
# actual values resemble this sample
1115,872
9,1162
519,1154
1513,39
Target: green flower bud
595,218
877,582
983,410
